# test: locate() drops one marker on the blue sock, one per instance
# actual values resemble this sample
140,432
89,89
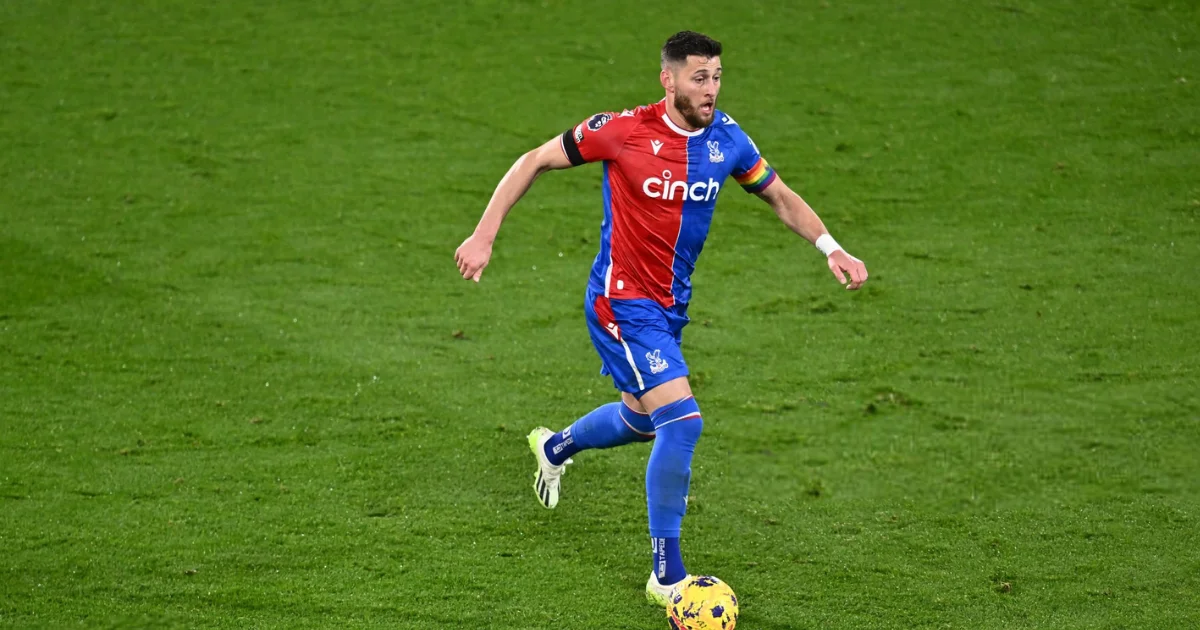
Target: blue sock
677,426
668,561
606,426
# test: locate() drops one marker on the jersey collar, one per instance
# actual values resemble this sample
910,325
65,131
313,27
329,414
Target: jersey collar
677,129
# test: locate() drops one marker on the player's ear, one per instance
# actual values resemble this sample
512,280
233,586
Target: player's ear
666,79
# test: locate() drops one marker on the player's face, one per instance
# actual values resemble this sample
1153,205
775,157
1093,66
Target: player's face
696,86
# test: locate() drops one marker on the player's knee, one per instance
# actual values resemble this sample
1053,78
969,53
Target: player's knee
685,413
678,427
684,433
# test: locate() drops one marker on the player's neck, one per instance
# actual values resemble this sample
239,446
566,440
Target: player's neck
678,118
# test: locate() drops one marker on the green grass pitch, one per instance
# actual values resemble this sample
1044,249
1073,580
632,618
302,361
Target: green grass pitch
242,386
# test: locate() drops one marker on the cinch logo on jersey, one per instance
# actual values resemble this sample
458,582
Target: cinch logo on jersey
664,188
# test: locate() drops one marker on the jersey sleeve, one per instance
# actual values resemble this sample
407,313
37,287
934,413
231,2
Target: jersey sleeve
751,171
600,137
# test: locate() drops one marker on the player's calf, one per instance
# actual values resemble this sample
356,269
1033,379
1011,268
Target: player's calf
668,474
614,424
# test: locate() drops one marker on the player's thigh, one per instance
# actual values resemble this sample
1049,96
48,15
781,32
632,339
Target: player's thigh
666,393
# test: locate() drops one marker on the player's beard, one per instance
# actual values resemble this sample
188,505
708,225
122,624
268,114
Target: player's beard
691,113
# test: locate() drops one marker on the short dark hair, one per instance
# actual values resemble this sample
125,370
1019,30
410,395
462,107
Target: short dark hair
685,43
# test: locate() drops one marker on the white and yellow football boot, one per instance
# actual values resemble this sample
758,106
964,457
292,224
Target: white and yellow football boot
660,594
546,479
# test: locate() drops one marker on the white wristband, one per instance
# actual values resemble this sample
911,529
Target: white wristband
827,245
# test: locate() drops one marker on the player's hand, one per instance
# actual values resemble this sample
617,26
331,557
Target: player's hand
472,256
841,263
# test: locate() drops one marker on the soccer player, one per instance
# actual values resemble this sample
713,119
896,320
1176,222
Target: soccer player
664,166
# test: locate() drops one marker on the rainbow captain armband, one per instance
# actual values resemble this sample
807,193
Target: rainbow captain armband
757,178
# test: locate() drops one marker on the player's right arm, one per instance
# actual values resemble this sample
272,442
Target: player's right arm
473,255
600,137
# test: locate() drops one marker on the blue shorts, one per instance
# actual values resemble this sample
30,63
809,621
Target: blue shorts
638,341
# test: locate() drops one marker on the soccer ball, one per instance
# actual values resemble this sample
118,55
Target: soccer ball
703,603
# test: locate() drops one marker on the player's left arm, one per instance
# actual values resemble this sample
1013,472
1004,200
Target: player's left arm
800,217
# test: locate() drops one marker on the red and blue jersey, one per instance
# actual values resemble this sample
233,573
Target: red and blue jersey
660,187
